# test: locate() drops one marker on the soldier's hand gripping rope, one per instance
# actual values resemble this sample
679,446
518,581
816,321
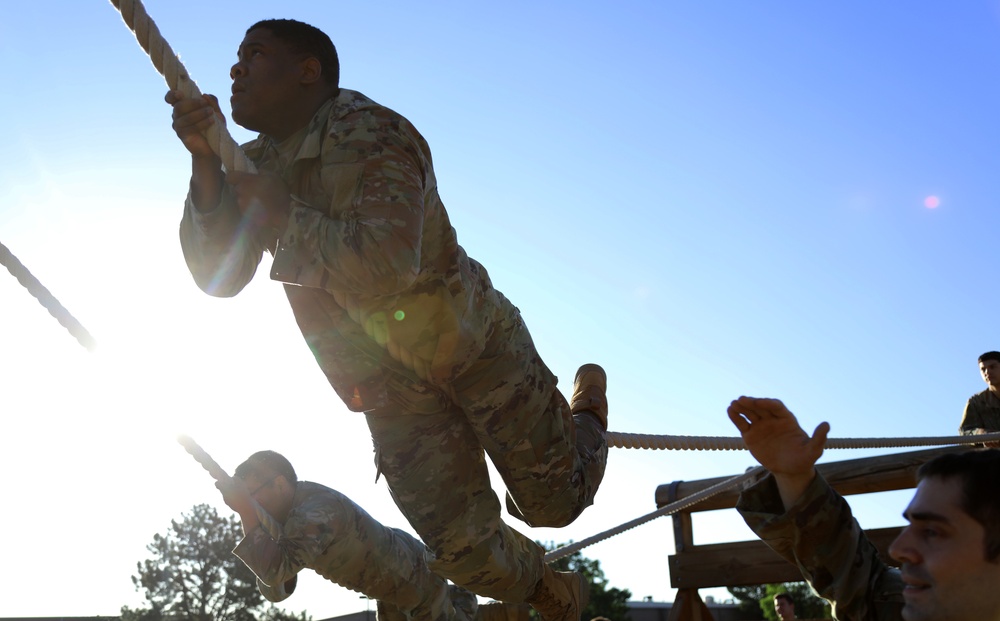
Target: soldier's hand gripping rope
228,485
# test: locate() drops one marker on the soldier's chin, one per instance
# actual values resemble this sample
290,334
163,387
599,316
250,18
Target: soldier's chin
243,118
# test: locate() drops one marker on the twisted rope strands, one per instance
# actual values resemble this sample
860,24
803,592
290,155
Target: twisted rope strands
719,443
268,523
46,299
170,67
669,509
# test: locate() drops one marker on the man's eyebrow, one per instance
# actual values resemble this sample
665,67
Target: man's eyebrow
925,516
247,45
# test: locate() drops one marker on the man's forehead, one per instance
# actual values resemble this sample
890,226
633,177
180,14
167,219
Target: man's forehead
257,472
259,36
937,498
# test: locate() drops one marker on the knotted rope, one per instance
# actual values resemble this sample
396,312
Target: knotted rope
719,443
268,523
46,299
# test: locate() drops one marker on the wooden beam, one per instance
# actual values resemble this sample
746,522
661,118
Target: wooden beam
744,563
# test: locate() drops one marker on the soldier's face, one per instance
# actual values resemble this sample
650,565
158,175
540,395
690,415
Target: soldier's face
265,79
785,609
990,370
269,490
941,553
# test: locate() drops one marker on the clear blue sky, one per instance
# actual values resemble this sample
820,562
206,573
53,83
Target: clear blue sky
710,199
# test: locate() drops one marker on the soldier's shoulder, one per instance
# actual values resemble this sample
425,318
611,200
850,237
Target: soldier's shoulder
980,397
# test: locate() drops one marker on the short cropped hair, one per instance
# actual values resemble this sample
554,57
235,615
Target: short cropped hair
979,471
990,355
267,462
785,596
301,38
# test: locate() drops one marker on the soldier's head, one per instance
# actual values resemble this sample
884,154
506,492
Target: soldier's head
989,368
271,481
950,551
284,72
784,606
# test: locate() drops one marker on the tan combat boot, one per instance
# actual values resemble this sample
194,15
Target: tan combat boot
560,595
589,388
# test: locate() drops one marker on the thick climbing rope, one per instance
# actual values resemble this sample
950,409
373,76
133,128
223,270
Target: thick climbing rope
170,67
719,443
268,523
669,509
46,299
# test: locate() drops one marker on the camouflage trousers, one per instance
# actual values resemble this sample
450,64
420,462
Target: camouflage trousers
431,443
391,566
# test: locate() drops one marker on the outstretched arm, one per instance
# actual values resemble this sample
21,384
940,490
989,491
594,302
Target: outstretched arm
775,439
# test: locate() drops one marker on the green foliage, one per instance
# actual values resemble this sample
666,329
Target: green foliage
194,576
758,600
748,598
605,601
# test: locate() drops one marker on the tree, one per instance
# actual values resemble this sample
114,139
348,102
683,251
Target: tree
194,576
749,598
609,602
759,600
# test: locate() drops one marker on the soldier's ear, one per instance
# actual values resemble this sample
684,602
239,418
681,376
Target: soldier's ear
310,70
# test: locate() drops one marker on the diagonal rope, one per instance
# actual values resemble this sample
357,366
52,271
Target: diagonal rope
46,299
720,443
268,523
669,509
170,67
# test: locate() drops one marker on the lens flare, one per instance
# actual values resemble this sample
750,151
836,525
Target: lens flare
931,202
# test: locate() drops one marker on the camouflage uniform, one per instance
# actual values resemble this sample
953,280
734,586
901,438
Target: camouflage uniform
328,533
982,411
820,535
410,330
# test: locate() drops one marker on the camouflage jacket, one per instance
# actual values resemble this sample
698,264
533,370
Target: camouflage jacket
328,533
982,411
821,536
371,264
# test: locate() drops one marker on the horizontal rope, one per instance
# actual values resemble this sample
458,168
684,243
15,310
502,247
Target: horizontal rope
618,439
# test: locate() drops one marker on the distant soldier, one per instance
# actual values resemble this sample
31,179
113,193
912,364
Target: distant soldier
982,411
325,531
784,606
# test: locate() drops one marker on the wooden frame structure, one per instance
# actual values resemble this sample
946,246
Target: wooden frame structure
742,563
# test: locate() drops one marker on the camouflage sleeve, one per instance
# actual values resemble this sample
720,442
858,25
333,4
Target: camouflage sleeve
972,418
277,562
221,252
368,240
820,535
